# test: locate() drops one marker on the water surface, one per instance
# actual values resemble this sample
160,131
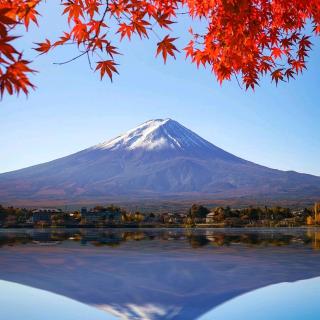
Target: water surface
159,273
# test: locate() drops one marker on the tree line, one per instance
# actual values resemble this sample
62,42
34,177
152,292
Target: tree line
196,215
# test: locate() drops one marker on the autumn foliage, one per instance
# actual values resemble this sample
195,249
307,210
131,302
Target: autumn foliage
244,39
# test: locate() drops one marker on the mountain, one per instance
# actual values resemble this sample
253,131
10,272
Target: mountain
159,159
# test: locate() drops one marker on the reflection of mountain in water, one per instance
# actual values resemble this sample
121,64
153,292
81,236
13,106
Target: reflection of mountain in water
158,274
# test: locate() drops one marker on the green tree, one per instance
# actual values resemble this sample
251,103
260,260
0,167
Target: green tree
198,211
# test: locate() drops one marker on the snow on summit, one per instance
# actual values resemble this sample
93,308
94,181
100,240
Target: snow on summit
155,134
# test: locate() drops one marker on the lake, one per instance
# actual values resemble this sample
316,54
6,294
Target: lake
93,274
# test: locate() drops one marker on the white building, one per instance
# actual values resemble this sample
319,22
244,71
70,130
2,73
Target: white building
210,217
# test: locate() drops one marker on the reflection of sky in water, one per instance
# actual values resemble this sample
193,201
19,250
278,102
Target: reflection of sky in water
162,274
284,301
22,302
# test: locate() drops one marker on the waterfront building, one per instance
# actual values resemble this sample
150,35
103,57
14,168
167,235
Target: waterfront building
210,217
100,216
44,214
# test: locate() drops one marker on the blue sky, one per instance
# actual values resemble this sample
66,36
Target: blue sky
72,109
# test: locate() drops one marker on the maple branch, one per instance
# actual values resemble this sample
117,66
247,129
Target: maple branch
238,81
73,59
103,17
90,41
89,61
154,32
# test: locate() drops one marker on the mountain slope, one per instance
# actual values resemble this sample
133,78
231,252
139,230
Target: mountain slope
158,159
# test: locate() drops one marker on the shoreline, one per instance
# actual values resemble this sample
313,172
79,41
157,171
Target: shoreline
158,227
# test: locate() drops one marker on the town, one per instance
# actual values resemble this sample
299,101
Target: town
197,216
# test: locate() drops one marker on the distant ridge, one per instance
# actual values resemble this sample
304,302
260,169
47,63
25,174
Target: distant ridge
159,159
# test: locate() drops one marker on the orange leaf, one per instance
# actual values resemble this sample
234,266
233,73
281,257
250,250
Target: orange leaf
166,47
43,47
107,67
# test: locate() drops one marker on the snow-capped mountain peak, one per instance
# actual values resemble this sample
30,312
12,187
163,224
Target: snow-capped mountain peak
155,134
159,159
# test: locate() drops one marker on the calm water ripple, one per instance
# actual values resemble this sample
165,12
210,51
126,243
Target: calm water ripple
158,273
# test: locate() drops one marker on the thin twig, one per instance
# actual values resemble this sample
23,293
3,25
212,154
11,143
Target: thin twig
75,58
238,81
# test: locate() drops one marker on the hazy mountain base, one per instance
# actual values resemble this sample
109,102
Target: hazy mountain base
167,205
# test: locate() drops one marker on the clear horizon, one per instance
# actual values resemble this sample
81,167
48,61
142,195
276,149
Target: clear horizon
72,110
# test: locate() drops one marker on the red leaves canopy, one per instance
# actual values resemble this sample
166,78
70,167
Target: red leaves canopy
242,38
13,68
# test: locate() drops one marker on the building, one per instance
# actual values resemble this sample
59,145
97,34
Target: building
181,218
91,216
298,212
114,216
83,211
210,217
97,216
169,218
44,214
